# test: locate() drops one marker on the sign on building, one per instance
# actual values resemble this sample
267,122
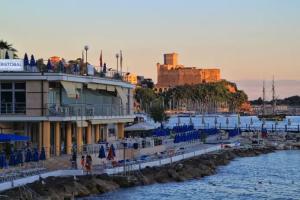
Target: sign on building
11,65
90,70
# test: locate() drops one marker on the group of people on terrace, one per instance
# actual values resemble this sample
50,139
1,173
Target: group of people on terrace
77,67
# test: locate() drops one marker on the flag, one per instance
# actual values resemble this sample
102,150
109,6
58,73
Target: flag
101,59
82,58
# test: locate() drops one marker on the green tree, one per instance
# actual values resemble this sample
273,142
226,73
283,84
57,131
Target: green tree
205,96
5,45
157,111
145,96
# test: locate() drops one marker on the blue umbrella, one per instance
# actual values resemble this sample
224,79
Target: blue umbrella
20,157
35,155
77,68
12,159
61,66
104,68
28,155
32,61
26,61
6,55
49,66
101,152
43,154
113,150
4,160
2,157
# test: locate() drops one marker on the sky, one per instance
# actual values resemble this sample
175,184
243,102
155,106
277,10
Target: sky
249,40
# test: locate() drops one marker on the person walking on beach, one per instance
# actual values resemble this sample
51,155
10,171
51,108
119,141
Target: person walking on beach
82,162
88,164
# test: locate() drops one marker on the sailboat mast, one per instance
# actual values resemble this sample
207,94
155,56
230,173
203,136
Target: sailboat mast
264,98
273,96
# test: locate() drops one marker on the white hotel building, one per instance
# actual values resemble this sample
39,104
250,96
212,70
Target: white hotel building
59,111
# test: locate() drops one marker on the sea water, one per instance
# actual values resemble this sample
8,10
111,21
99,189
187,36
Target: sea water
270,176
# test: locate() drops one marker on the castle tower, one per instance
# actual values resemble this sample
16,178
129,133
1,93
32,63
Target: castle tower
171,59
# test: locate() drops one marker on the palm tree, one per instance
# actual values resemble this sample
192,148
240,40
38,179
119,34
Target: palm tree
9,47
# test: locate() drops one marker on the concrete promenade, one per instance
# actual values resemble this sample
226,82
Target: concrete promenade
130,167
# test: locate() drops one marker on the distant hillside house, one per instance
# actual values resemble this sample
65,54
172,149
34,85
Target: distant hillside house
171,74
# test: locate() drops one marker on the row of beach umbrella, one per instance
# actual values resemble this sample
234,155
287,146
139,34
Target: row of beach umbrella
19,157
210,131
186,137
183,128
32,63
234,132
111,153
161,132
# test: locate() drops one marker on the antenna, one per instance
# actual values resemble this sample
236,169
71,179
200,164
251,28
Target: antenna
121,61
273,96
264,97
117,57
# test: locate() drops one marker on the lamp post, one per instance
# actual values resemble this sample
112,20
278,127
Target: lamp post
117,57
86,48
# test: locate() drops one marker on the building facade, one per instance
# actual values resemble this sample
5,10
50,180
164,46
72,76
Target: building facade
171,74
131,78
61,111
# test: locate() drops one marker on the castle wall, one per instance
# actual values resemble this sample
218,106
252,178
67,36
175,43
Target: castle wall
181,76
171,74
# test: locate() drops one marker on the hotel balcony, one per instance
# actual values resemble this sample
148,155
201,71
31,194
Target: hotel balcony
64,96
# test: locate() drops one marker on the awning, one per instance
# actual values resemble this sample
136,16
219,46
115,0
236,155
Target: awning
122,95
70,88
94,86
111,120
81,123
111,88
4,137
143,126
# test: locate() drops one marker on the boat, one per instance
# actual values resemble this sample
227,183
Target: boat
274,116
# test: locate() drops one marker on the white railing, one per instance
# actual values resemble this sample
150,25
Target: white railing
61,173
163,161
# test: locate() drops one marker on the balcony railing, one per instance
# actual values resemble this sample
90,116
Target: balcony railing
79,110
110,73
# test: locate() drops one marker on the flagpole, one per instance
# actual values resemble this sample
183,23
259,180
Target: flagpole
101,69
121,61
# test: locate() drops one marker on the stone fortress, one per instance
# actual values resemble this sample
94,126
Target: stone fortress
171,74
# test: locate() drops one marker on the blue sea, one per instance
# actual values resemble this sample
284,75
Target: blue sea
270,176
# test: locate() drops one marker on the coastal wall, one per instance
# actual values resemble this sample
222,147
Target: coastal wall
110,171
81,186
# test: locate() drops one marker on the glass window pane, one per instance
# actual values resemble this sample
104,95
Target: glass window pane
20,102
20,85
6,102
6,85
20,97
6,97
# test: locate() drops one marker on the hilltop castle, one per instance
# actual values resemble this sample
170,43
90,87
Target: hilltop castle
171,74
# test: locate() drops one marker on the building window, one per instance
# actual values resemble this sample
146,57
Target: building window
13,97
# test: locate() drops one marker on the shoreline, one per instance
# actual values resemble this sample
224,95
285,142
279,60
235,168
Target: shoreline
83,186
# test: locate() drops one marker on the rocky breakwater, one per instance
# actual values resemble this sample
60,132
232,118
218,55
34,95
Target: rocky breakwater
70,187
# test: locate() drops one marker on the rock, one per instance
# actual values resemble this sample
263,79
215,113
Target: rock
68,188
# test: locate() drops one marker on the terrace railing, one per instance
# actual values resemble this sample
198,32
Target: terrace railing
86,110
69,69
